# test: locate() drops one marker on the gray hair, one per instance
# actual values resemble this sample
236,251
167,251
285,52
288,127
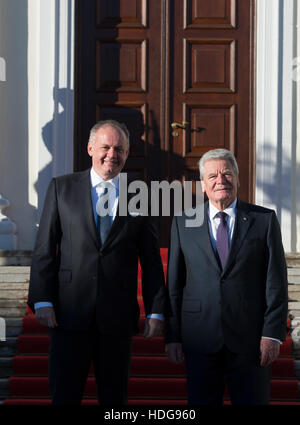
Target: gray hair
110,123
215,154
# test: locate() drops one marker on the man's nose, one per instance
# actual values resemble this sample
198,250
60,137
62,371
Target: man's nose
112,153
221,178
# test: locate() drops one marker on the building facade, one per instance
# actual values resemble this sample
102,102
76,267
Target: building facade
39,107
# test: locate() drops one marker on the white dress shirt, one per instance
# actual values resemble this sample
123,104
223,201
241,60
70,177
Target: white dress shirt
113,192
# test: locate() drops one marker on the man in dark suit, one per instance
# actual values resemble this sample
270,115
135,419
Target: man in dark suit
227,287
83,282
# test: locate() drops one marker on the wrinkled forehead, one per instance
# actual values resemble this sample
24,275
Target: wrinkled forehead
112,135
218,165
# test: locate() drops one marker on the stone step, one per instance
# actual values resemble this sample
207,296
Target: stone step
14,270
294,305
7,312
4,388
9,347
294,288
297,369
15,258
13,326
293,313
12,303
293,280
14,277
13,294
294,295
292,259
293,271
6,367
16,286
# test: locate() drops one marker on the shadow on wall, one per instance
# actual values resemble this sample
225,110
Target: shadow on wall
55,137
275,174
57,134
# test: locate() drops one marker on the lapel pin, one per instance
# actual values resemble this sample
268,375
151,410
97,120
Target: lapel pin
245,218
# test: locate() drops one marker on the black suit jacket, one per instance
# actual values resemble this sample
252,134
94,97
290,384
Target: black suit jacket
210,307
86,282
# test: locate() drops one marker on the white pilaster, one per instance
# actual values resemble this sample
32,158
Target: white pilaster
276,137
50,77
14,122
297,117
8,229
36,105
267,100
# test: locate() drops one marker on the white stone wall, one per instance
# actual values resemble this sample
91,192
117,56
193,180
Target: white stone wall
277,123
36,106
14,119
296,176
51,92
36,109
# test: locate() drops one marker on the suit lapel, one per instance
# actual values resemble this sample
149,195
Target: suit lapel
118,223
243,222
115,229
203,238
83,193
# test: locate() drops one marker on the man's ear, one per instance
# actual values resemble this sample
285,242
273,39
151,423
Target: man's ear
202,185
89,148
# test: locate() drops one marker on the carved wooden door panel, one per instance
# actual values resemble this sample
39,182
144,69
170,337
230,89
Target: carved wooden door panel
212,78
118,77
151,63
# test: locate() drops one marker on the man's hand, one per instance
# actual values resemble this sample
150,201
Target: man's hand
153,327
46,316
174,352
269,350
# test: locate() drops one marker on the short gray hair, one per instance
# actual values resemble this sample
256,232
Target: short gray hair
215,154
110,123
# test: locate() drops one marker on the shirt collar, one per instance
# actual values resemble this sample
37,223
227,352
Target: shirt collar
96,179
230,210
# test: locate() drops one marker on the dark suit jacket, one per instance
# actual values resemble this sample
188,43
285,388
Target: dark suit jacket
248,299
85,281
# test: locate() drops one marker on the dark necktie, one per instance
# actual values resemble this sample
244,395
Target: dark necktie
103,221
222,239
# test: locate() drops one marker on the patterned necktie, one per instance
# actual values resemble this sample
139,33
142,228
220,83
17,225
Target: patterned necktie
103,221
222,238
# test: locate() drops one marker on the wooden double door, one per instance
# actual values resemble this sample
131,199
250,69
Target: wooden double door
179,73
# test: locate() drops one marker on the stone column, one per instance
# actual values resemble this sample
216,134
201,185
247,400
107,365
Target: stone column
277,137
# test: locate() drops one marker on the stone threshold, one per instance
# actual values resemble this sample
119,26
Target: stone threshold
15,258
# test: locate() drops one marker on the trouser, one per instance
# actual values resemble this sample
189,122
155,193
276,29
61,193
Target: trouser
70,357
208,374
